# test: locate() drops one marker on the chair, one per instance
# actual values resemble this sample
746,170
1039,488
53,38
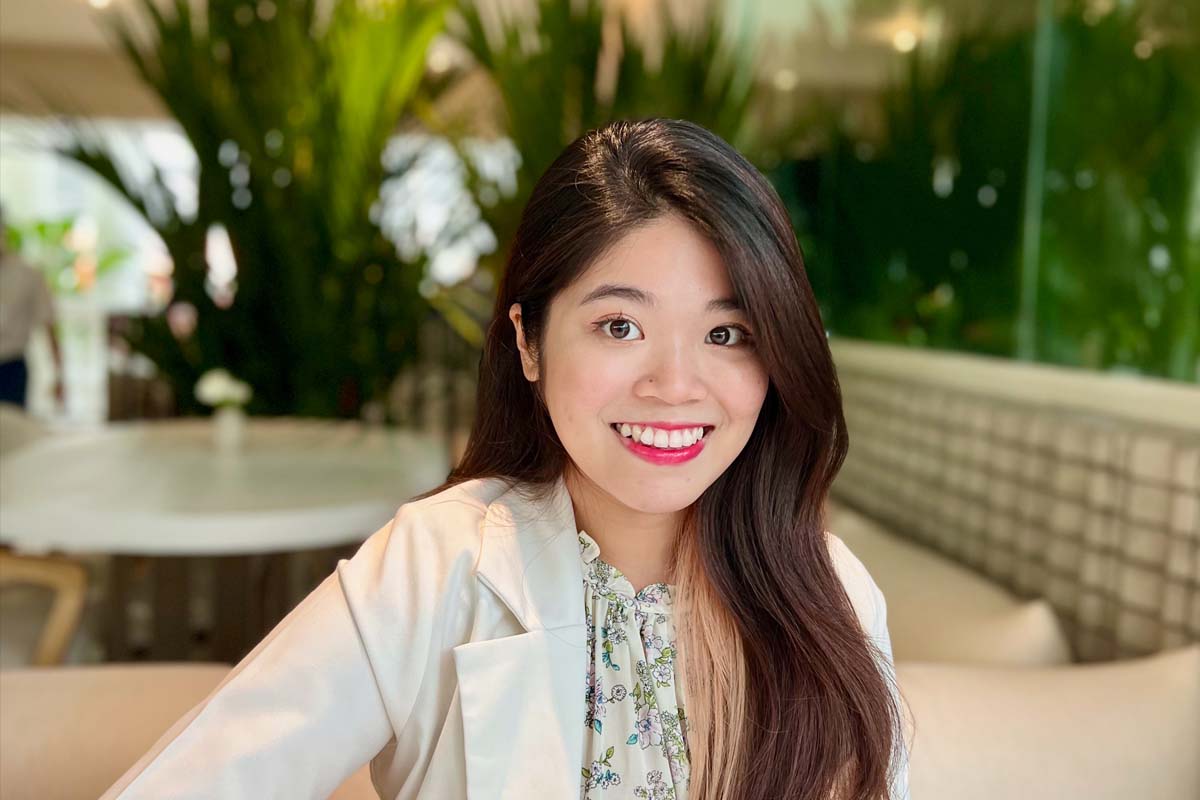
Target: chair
68,580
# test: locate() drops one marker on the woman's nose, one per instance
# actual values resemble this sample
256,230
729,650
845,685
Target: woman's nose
673,377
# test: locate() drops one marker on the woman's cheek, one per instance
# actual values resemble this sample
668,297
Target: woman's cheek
598,367
753,381
586,382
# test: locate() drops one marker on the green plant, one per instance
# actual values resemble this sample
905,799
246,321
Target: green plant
925,225
289,111
549,73
70,267
1120,267
915,237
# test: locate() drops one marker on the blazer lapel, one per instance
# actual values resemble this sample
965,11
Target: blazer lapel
523,696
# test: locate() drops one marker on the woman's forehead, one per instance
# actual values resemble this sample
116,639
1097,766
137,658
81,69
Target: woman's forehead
657,265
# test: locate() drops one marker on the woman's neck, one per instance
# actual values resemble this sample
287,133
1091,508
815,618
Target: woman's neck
635,542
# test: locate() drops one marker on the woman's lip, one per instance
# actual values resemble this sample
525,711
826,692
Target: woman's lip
657,455
668,426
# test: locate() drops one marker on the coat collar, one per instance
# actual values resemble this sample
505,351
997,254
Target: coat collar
523,697
530,558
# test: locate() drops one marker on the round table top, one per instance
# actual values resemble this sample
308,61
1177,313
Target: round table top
162,487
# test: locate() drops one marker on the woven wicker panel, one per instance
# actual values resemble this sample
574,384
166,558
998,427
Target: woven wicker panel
1099,515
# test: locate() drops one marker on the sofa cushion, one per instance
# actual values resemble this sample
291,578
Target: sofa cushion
70,732
939,610
1110,731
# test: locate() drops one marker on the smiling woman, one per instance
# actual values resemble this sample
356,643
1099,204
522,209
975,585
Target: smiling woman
624,589
656,290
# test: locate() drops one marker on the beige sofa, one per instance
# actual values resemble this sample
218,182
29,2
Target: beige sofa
1071,489
1121,730
939,610
1114,731
68,733
1001,710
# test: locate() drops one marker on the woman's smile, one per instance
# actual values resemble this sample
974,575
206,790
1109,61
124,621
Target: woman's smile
663,445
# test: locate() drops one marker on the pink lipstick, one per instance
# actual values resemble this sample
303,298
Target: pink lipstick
663,456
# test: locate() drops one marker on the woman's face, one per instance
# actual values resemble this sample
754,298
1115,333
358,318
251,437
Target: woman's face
650,334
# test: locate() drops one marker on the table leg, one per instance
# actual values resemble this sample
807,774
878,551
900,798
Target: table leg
231,615
172,611
116,622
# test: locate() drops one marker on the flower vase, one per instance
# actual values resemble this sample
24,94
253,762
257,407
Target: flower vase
229,428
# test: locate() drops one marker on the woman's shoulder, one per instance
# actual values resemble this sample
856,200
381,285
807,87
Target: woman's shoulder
430,544
431,531
864,593
471,496
451,517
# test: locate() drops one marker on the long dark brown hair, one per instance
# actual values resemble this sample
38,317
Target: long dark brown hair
785,695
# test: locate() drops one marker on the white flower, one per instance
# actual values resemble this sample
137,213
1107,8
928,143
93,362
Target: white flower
218,388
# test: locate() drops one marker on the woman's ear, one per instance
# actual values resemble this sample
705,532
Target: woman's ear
528,363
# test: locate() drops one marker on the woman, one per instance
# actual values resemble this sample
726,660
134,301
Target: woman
624,589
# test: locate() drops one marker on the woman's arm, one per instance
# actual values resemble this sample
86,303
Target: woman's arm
303,710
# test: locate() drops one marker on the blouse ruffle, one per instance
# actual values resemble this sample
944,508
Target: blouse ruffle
635,745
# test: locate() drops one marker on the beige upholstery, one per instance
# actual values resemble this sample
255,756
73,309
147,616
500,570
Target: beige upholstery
67,733
1112,731
1078,487
939,610
1075,732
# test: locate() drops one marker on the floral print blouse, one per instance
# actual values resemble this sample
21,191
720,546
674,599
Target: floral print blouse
635,745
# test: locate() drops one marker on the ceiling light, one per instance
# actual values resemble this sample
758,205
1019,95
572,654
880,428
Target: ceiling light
904,40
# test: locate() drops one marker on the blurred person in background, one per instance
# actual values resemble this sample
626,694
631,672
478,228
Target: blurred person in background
26,304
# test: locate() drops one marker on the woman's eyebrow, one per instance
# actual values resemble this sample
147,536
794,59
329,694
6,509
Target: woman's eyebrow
636,295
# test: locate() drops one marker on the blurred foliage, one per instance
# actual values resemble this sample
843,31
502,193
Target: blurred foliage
575,66
916,239
912,237
53,247
907,245
289,109
1120,267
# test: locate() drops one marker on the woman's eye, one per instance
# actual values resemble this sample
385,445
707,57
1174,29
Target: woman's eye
740,335
619,328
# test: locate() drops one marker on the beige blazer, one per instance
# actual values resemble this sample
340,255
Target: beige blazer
449,651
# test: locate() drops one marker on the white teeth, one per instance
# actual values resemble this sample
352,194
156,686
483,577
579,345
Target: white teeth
667,440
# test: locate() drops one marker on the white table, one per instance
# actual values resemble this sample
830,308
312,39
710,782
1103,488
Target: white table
162,489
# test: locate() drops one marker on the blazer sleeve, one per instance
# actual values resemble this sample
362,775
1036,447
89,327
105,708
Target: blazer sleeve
871,607
883,640
304,709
